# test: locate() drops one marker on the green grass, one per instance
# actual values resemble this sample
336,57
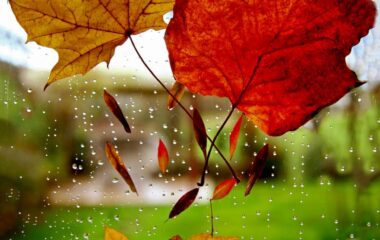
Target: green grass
272,211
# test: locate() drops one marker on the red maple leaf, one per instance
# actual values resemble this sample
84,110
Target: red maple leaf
278,61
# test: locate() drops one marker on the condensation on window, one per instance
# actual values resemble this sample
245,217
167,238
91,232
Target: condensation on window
319,182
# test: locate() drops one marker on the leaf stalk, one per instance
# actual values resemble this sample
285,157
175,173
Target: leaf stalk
234,106
212,219
185,110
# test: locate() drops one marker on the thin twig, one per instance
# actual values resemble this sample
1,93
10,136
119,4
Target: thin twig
212,219
202,182
158,80
234,106
183,108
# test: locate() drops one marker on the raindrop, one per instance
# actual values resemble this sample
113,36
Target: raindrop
85,236
74,166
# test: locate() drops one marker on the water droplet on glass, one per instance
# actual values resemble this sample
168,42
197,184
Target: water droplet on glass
85,236
74,166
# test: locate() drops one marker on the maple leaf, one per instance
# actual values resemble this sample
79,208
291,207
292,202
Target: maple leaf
86,32
112,234
278,61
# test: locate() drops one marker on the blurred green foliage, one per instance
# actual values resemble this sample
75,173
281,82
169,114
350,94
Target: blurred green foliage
29,152
312,175
274,210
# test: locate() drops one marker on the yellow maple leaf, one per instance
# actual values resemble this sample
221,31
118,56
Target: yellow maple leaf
86,32
112,234
205,236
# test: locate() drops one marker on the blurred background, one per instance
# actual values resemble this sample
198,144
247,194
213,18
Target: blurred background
320,182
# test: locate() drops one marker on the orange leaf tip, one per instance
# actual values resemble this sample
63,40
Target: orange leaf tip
163,156
234,137
223,189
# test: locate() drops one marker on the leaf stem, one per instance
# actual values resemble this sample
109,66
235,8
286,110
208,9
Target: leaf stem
234,106
202,181
158,80
183,108
212,219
